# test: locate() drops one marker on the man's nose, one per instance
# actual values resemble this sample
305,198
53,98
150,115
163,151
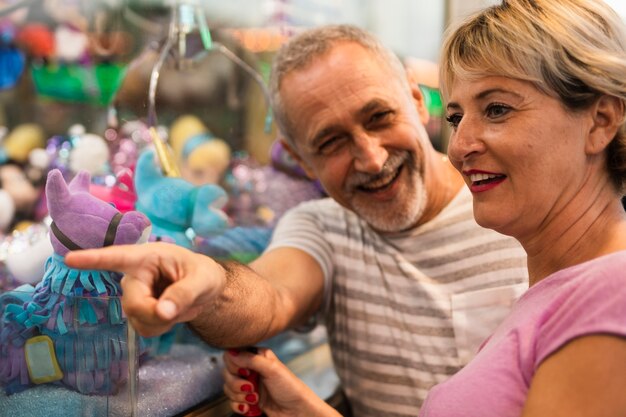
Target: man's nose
369,154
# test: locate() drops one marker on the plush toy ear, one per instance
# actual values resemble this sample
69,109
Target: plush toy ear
56,191
80,182
147,171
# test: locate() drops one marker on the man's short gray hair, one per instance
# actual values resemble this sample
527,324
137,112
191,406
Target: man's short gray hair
305,47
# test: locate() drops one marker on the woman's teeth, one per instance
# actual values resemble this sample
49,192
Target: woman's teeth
482,177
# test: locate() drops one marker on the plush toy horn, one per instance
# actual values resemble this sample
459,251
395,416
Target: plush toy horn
56,191
80,182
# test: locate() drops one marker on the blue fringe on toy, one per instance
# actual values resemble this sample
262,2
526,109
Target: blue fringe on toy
81,312
66,295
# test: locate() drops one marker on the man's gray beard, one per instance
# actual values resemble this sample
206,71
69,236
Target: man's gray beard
395,217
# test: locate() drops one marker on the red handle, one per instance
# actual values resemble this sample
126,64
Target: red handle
254,409
253,378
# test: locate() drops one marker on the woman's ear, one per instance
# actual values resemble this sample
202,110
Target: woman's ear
294,154
608,116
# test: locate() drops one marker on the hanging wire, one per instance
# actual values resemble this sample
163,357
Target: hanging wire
164,153
181,24
181,14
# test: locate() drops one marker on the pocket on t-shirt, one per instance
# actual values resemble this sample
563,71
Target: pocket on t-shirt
476,314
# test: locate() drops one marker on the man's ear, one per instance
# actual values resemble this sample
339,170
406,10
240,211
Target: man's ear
608,115
294,154
418,98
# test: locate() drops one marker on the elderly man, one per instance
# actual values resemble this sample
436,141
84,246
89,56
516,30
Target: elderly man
392,262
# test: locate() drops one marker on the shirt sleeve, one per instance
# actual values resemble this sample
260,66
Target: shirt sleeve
302,228
594,305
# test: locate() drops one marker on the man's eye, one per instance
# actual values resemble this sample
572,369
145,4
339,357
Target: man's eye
329,144
380,115
497,110
454,120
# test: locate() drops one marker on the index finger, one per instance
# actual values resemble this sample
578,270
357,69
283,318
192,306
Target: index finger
121,258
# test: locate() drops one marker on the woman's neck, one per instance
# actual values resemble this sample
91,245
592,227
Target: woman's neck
599,231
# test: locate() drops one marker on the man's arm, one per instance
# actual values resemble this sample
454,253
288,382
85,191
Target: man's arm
279,290
229,305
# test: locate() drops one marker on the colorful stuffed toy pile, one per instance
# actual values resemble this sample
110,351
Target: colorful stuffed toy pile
69,328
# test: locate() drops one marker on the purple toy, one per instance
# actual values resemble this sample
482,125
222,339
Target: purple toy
69,329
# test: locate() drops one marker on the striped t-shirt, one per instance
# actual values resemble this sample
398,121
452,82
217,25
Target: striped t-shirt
400,309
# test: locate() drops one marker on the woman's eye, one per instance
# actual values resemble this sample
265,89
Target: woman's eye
454,120
497,110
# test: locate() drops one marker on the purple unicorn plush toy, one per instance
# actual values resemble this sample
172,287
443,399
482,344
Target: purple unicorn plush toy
69,328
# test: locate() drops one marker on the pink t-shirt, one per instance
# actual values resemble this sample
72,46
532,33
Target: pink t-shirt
581,300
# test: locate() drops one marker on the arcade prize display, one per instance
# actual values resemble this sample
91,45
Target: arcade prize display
121,123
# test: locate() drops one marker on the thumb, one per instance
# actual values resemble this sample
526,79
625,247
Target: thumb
166,309
181,300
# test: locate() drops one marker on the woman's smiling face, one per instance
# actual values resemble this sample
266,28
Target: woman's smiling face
521,152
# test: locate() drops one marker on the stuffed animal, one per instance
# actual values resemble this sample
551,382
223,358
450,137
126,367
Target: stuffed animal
202,157
18,196
69,328
175,206
7,210
26,253
121,194
89,152
18,144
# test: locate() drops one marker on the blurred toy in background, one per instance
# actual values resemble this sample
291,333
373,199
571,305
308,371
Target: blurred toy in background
202,158
258,197
78,150
12,59
21,171
179,211
37,40
24,253
69,328
121,193
287,185
20,197
125,144
89,152
70,44
7,210
17,145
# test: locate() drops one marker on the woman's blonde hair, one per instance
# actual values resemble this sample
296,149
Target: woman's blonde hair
574,50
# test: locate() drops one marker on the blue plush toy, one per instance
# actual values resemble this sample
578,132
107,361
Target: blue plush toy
177,209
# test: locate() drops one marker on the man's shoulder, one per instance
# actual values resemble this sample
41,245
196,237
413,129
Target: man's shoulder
321,208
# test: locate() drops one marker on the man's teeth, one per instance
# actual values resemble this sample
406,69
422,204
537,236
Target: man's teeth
377,184
482,177
380,183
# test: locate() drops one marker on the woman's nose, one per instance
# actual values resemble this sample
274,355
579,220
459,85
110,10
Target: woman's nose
465,140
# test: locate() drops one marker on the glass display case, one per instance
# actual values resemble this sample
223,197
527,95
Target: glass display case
78,357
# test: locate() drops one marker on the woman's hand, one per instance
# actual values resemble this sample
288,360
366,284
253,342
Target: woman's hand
280,393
